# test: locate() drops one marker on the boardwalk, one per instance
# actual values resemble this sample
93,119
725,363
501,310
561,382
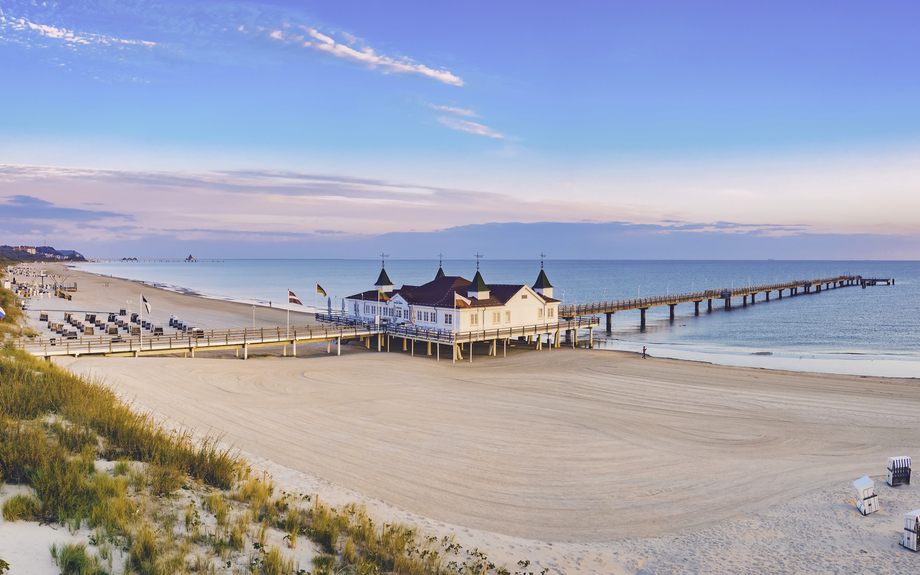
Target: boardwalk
642,304
274,336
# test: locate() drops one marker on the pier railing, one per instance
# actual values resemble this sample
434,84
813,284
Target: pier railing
593,308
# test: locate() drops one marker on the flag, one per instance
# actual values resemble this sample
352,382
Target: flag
382,295
319,289
146,304
2,313
293,298
461,301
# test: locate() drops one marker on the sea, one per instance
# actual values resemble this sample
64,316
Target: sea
873,331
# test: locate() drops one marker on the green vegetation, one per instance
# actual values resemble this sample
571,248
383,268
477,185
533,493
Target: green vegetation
74,560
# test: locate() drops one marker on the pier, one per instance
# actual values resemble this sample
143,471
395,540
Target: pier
696,298
242,340
136,260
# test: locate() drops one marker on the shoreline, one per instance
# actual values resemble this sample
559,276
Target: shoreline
833,363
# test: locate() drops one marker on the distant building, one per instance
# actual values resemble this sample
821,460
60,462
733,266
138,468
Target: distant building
453,303
27,249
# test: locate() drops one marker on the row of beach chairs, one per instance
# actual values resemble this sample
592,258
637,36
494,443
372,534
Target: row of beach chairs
182,326
868,502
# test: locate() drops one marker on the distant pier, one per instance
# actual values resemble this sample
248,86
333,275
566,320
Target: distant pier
135,260
696,298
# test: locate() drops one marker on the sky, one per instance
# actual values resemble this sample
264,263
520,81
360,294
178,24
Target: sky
141,129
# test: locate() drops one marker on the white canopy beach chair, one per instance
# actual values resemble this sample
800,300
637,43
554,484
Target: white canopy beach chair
899,470
867,500
911,530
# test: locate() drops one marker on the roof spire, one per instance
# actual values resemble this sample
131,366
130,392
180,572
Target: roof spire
440,273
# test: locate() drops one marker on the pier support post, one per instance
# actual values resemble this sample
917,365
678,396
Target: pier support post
245,351
505,348
328,346
753,298
556,339
672,306
591,337
696,308
379,341
642,317
439,351
413,348
768,296
294,348
744,301
728,303
709,305
609,321
429,348
339,344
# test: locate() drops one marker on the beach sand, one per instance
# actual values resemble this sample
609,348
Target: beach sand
581,461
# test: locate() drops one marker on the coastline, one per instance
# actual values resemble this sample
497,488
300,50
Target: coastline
580,461
839,363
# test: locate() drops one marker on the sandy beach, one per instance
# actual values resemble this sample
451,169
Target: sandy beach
580,461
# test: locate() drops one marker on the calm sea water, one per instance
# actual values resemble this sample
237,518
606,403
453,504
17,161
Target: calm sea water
878,323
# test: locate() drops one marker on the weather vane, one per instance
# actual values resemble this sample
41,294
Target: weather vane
542,255
477,256
440,260
383,260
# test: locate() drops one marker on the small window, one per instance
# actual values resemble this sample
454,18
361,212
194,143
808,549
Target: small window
496,317
549,312
524,296
448,318
539,313
474,318
507,317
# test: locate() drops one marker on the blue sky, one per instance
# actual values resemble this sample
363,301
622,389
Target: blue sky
283,120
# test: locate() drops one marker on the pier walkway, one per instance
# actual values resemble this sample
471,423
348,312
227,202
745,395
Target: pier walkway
332,330
642,304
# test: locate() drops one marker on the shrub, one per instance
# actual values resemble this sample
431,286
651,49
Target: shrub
74,560
21,507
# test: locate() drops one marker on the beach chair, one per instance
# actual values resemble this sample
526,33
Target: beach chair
866,499
91,317
134,317
112,317
135,330
112,329
43,315
89,330
122,311
911,532
158,330
898,471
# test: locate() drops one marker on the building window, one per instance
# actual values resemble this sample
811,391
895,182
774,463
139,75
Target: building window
539,314
448,319
474,318
524,296
549,312
418,315
496,317
507,317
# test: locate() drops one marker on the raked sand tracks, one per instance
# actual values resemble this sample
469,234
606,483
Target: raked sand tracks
568,445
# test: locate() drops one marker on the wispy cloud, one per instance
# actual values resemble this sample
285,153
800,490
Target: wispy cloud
22,25
469,127
315,40
452,110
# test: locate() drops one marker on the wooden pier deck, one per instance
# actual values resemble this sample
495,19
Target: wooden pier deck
642,304
273,336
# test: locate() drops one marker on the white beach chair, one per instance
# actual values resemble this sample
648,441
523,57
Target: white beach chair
898,471
867,500
911,530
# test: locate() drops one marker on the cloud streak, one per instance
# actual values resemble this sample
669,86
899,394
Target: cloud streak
313,39
469,127
70,36
452,110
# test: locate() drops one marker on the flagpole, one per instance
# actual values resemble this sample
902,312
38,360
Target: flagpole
141,317
289,315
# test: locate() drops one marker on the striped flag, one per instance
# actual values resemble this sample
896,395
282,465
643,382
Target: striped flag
319,289
293,298
382,295
2,313
461,301
146,304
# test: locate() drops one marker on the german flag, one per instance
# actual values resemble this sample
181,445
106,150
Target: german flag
319,289
382,295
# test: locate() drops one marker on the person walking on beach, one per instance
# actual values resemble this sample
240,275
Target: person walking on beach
643,352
